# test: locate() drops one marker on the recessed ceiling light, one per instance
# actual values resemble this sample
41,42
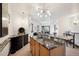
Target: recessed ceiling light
41,11
40,15
45,15
76,21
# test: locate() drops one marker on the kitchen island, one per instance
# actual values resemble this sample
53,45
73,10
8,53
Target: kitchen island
46,47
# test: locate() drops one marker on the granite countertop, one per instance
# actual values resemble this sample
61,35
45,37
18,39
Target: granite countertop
49,44
3,44
12,36
62,37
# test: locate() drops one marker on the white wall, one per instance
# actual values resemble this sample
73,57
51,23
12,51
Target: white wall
17,22
17,18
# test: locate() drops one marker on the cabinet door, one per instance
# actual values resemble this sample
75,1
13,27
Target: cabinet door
25,39
32,46
14,45
59,51
37,48
43,51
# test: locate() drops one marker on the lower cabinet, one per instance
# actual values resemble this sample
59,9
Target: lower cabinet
43,51
32,44
59,51
18,42
34,47
38,49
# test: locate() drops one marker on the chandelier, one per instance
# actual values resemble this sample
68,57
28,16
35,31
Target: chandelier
43,12
76,21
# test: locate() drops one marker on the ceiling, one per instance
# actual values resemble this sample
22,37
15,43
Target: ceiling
58,9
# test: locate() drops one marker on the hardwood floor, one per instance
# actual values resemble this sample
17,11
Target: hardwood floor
72,51
25,51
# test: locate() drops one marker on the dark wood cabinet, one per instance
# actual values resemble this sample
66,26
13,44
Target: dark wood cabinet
18,42
14,44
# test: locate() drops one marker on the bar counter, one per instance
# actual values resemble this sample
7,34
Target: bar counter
46,47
